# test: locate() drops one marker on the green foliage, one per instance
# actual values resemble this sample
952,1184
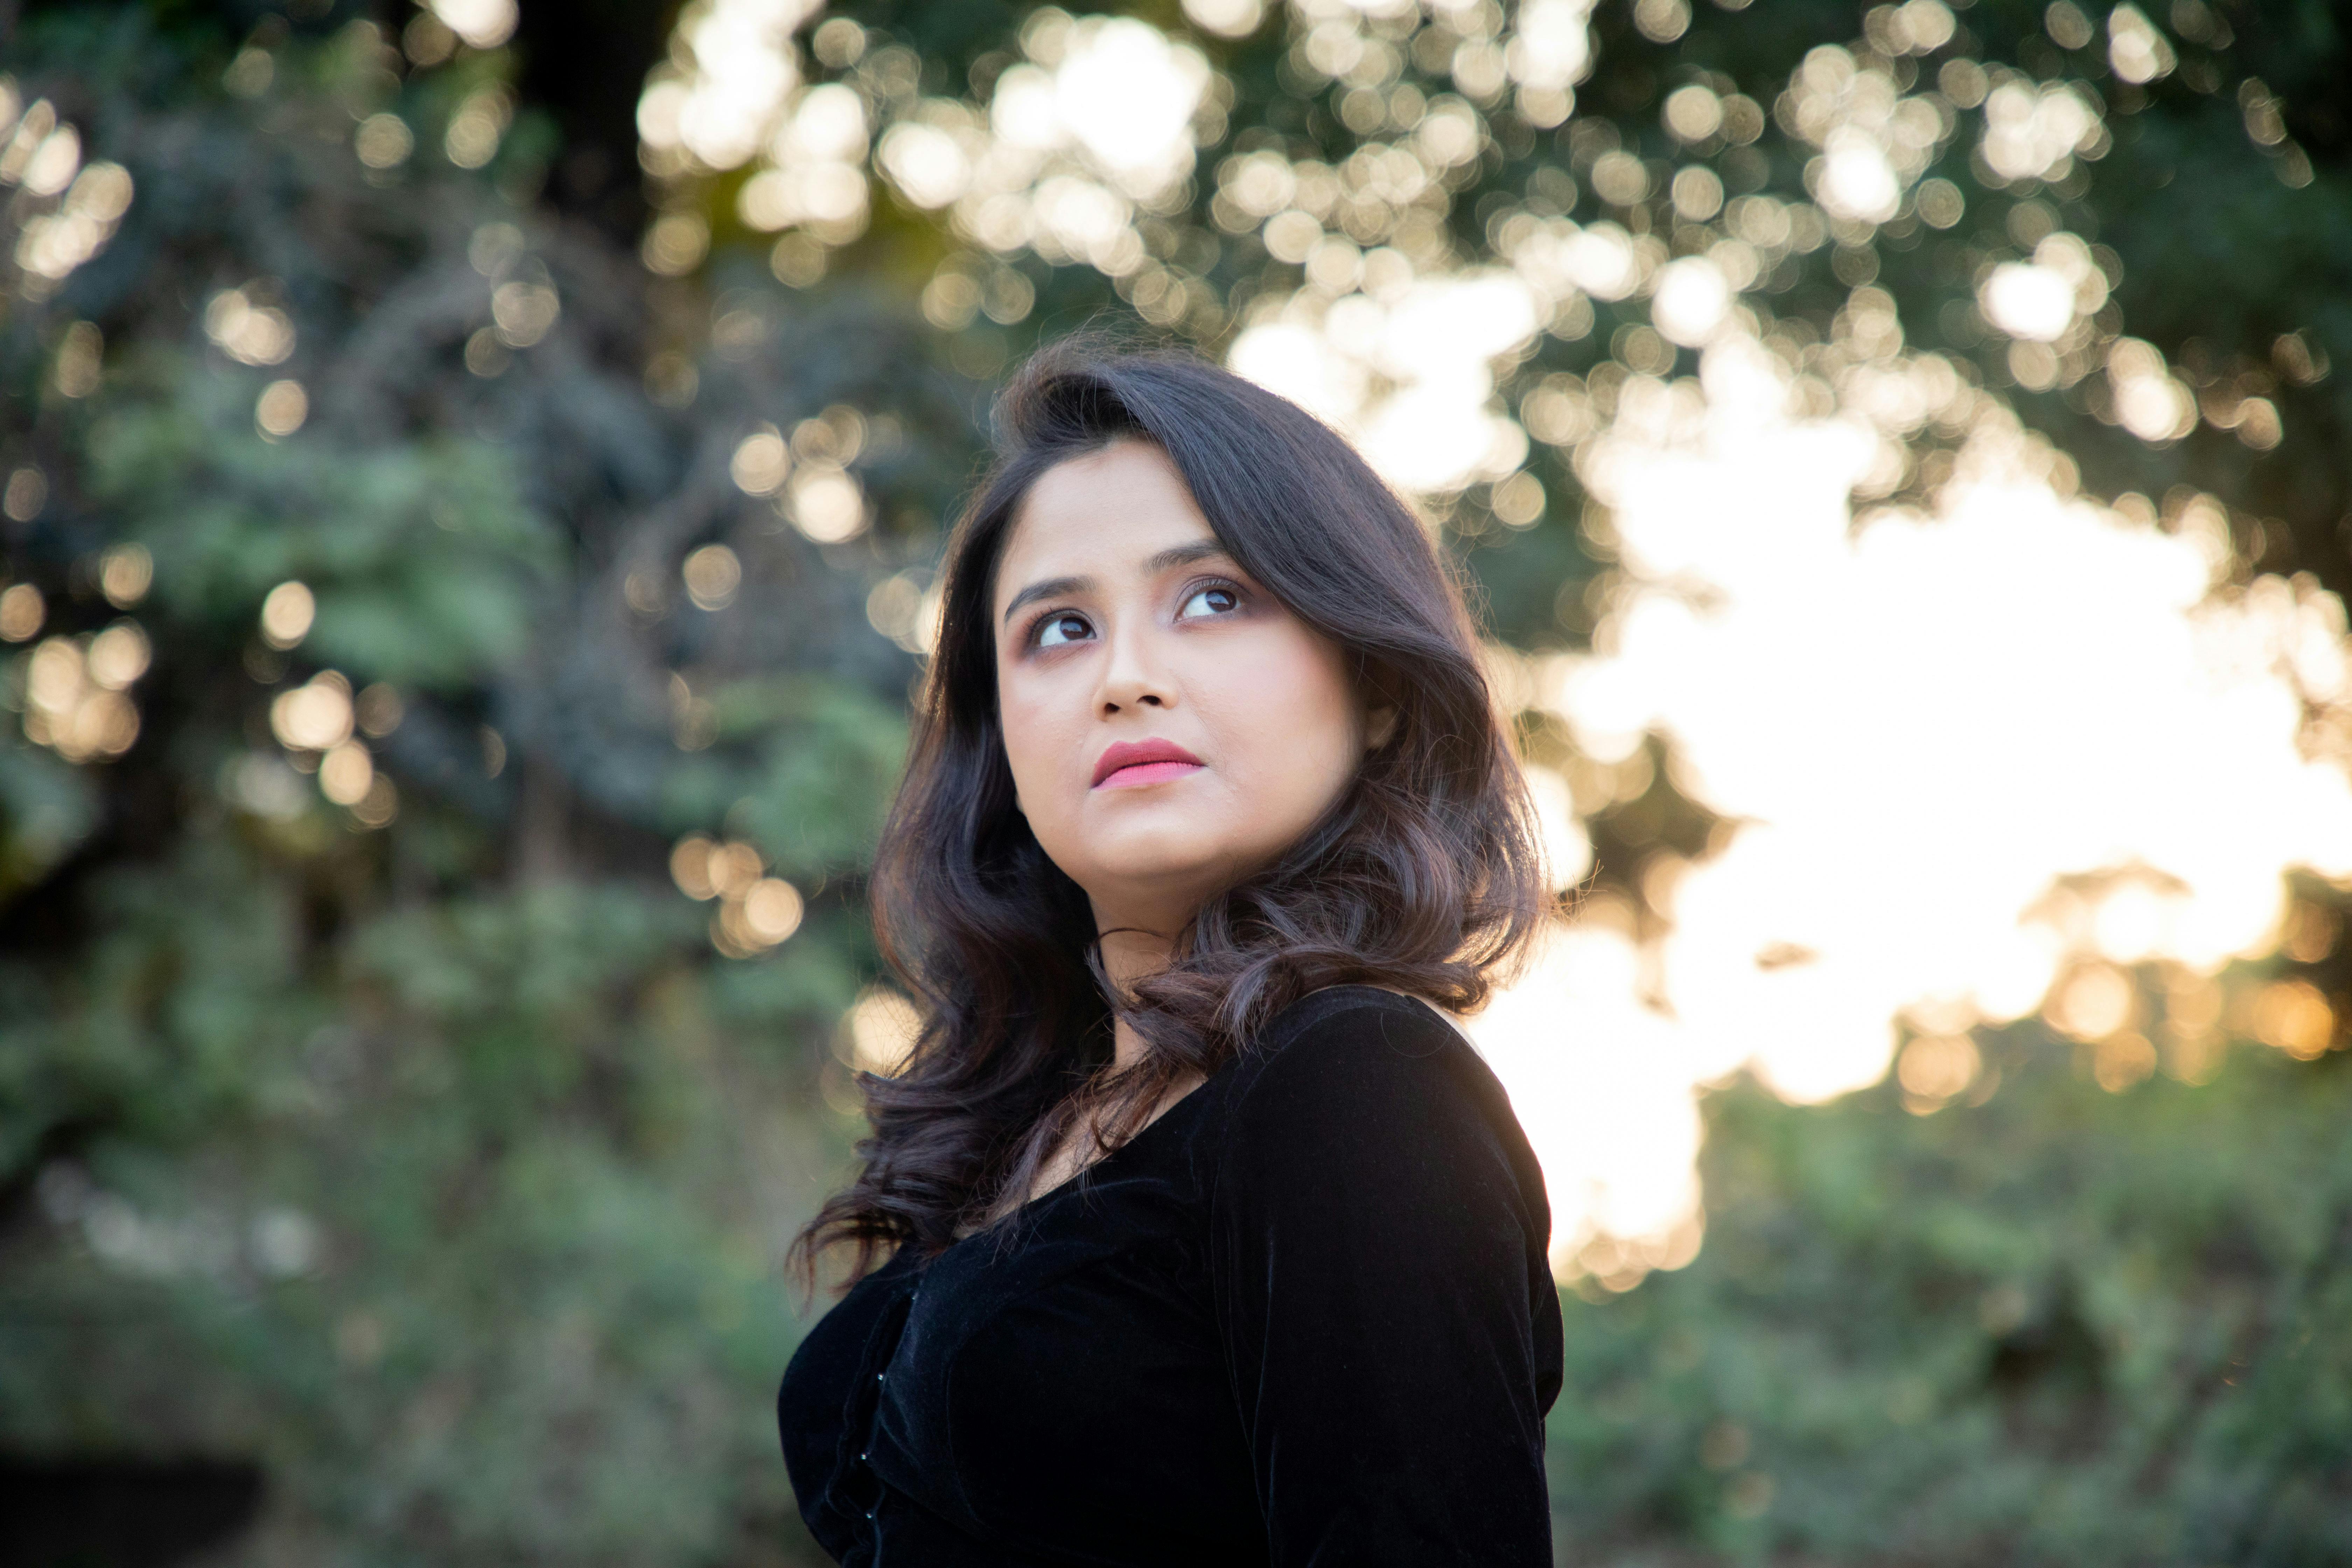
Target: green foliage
2063,1327
423,558
421,1149
470,1239
826,761
45,808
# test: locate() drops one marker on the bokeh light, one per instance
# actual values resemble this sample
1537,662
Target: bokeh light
75,701
316,716
287,614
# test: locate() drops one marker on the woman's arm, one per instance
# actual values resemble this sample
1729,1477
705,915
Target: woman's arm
1390,1320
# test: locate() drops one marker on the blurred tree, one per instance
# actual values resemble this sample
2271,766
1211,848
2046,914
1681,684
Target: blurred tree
583,67
2060,1327
402,576
437,559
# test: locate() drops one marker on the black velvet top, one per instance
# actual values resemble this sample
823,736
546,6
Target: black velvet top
1303,1318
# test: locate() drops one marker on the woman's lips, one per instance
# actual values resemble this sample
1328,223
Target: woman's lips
1128,764
1148,774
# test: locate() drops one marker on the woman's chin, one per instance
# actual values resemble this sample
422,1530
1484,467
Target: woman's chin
1156,870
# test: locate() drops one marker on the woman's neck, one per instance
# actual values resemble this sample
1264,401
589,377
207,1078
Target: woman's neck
1130,954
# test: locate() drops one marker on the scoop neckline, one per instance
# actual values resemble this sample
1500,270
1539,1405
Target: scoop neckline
1378,994
1079,1177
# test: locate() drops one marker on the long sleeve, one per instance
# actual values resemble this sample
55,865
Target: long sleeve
1378,1259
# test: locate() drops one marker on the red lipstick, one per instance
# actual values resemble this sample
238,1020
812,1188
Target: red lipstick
1127,762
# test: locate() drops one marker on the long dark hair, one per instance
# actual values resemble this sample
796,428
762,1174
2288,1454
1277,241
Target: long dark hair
1425,875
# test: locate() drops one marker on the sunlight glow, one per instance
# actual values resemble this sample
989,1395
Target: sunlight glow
2033,131
2028,301
1127,96
742,72
1439,426
1920,725
1602,1082
1874,141
1093,126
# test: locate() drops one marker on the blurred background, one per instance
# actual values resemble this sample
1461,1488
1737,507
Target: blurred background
472,479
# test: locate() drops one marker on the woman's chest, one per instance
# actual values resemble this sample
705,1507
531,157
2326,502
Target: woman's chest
1070,1390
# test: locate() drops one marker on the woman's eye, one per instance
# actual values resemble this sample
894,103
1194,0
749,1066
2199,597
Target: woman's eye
1214,600
1066,627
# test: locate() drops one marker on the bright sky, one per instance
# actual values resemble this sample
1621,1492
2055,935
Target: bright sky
1922,723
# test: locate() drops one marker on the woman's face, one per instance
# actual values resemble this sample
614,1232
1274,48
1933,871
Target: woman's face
1172,728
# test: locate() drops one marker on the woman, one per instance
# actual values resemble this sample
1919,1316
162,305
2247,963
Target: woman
1212,1241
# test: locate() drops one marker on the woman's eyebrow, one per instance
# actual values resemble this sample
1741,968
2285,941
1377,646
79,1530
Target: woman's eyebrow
1165,560
1049,588
1184,555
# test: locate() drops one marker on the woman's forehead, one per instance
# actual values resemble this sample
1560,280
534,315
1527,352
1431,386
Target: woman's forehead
1106,514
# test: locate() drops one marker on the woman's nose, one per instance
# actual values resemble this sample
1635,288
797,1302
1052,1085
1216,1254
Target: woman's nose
1135,675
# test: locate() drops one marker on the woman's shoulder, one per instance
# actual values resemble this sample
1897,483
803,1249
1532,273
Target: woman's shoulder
1351,1029
1357,1100
1366,1056
1318,1011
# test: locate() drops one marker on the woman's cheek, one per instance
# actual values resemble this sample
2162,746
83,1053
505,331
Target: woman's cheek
1023,747
1300,713
1037,750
